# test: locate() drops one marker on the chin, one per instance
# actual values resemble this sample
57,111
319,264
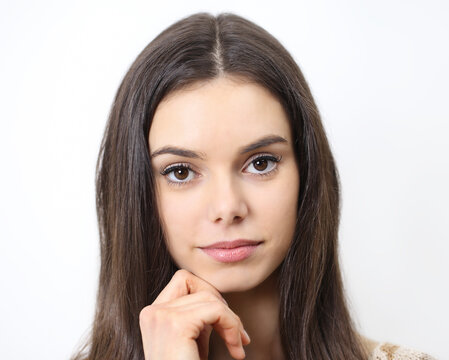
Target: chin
233,281
232,287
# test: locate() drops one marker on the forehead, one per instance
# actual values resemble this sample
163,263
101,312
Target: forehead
219,113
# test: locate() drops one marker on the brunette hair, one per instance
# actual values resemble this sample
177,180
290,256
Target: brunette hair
135,263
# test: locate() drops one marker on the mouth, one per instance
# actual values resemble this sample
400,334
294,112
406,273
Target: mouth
231,251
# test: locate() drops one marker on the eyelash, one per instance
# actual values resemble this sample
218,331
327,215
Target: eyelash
171,168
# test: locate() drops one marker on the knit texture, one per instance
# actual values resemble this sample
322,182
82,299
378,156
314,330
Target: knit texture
386,351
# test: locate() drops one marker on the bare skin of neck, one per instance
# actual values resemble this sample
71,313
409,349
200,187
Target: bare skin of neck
258,309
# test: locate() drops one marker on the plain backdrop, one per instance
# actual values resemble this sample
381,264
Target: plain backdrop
379,73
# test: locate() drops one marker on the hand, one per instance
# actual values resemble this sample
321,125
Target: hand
178,324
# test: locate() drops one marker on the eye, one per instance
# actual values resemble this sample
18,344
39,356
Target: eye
263,164
182,174
178,174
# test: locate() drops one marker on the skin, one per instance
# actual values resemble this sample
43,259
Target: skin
222,197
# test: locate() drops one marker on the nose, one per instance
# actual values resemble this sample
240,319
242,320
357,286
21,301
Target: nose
227,203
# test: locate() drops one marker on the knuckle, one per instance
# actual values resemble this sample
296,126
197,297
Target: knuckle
185,279
181,274
207,295
233,336
174,323
220,307
237,318
146,314
150,315
153,319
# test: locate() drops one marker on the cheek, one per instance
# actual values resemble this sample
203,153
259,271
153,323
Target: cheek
280,209
178,215
274,214
281,213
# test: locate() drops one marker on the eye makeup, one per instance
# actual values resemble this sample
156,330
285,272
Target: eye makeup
271,160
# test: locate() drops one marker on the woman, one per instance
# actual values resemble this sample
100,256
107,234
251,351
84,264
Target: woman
218,205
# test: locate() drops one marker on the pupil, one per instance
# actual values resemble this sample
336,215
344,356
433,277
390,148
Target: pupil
261,164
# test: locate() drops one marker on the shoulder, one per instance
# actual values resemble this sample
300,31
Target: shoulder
387,351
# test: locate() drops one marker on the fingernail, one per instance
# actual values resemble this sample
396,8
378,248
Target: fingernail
246,334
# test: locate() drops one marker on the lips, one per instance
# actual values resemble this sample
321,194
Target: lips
231,251
232,244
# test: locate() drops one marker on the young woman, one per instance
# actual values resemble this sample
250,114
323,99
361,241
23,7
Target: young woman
218,206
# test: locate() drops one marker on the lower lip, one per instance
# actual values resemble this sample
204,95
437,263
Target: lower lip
231,255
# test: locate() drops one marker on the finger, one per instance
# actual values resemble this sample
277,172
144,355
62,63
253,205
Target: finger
203,342
206,296
197,315
200,296
190,303
245,337
183,283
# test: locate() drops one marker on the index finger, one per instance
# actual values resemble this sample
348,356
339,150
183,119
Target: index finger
183,283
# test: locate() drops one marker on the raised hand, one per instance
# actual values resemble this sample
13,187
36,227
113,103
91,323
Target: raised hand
178,324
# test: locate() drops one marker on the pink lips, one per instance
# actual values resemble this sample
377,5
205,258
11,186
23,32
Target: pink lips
231,251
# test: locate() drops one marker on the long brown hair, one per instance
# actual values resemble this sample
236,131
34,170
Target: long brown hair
135,264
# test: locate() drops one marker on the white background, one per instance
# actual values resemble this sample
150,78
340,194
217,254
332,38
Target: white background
379,73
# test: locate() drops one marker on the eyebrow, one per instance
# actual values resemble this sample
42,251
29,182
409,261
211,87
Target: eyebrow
265,141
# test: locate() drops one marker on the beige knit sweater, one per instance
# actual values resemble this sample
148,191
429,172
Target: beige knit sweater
386,351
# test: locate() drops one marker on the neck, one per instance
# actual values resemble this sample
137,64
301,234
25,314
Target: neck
258,309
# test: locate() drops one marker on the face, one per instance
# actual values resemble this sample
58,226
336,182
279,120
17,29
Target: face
225,170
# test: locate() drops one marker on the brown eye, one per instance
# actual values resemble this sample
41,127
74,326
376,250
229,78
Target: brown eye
260,164
263,164
181,173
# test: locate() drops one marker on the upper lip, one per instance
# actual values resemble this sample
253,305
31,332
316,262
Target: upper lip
231,244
